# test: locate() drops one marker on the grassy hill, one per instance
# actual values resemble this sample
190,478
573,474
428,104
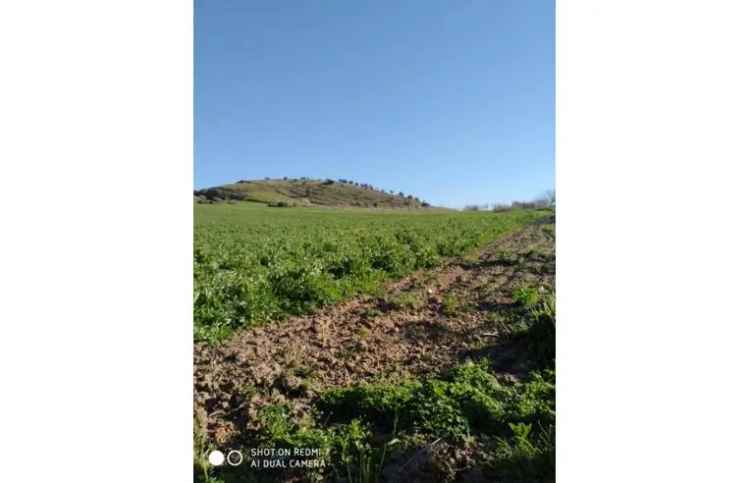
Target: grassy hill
309,192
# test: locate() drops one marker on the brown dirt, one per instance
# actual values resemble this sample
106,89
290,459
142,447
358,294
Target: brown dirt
420,326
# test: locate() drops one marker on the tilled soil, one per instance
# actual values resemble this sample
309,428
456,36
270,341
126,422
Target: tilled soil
422,325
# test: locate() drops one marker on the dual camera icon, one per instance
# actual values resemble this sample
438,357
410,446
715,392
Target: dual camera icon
217,458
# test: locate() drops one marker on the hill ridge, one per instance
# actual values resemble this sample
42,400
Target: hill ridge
309,192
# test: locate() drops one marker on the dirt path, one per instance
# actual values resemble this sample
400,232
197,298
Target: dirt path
419,326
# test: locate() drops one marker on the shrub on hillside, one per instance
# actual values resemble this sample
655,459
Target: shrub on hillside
220,194
280,204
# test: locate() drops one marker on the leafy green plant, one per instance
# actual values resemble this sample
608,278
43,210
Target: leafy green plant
348,447
359,458
379,404
526,296
535,324
468,399
527,457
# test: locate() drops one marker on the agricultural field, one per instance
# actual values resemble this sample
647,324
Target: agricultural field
398,345
254,264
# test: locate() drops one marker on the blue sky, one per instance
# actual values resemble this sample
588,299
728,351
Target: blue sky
452,101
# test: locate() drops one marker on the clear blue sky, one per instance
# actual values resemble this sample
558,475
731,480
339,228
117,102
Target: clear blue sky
452,101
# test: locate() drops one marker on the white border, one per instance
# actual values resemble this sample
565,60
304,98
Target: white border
652,152
95,252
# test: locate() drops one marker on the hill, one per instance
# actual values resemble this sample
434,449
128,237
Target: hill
309,192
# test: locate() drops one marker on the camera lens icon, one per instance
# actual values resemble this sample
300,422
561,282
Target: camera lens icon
234,458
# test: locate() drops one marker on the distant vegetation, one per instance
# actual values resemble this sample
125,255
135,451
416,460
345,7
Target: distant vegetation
289,192
547,200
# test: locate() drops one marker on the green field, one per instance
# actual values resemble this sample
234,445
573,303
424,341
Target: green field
254,263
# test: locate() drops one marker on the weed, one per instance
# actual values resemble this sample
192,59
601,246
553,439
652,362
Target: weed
372,312
451,305
348,448
249,390
527,457
504,257
363,333
536,326
406,301
303,371
526,296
